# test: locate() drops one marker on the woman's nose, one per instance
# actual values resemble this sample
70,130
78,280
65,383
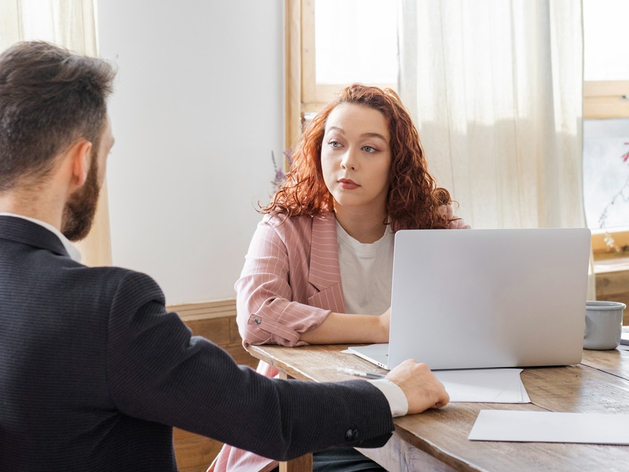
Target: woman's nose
349,160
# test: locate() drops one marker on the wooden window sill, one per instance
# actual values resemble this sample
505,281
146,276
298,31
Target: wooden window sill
611,264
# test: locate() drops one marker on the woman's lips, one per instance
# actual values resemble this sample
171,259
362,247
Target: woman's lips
347,184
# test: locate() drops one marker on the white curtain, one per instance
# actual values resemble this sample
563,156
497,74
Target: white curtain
71,24
495,87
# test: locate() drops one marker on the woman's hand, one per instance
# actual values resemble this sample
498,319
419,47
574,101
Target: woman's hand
453,221
385,325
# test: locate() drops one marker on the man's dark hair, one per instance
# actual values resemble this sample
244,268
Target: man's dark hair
49,98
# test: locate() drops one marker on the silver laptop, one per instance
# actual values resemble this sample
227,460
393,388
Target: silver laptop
464,299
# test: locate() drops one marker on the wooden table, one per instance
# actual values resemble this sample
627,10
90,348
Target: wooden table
436,440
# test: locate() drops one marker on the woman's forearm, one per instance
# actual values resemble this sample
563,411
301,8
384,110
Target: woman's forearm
340,328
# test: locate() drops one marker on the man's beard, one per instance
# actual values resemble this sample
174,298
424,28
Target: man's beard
80,209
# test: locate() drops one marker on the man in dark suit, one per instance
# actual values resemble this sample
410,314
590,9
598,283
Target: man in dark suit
94,372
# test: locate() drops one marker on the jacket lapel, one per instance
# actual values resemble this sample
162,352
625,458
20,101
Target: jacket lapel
325,273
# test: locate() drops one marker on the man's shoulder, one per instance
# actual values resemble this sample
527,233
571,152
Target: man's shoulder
111,283
118,291
119,277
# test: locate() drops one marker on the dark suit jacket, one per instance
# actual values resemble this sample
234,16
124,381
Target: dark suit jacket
94,372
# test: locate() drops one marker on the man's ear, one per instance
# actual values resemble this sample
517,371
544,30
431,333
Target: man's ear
80,161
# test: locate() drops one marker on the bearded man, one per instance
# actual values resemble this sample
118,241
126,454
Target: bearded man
94,371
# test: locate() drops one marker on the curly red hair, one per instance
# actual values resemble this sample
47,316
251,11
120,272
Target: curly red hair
413,200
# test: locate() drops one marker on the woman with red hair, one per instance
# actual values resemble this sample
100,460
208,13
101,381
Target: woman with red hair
320,263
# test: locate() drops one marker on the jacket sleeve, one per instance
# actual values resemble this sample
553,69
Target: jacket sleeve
265,292
157,372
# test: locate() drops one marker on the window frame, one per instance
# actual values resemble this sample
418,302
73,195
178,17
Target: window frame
303,94
603,99
316,96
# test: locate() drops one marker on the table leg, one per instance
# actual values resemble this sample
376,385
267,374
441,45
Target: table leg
300,464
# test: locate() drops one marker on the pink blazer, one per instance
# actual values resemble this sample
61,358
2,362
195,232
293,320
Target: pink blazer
290,281
289,284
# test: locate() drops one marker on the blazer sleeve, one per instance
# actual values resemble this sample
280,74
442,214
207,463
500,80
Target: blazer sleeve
267,289
157,372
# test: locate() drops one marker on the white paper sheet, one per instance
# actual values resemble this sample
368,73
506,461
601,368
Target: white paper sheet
545,426
484,385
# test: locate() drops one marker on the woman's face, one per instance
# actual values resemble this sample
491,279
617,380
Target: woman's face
356,157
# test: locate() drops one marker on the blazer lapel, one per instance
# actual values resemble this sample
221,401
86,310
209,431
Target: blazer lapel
325,273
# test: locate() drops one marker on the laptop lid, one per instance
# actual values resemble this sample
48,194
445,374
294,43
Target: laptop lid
465,299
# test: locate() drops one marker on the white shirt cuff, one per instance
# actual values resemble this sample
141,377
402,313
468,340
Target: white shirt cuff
395,396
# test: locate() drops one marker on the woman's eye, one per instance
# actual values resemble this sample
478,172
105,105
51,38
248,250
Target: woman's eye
369,149
334,144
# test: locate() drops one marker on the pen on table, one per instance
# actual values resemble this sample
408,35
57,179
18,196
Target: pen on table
348,371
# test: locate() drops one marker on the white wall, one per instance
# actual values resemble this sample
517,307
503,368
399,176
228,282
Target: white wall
197,110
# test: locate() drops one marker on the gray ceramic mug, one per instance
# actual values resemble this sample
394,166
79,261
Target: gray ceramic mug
603,325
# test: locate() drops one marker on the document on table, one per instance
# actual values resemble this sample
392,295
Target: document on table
547,426
484,385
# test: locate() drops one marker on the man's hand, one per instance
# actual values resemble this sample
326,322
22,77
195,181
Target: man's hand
421,387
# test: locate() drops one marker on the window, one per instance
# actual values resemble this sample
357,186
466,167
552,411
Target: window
606,122
334,43
354,41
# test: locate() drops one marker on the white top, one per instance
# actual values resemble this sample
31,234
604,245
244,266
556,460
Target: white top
73,252
366,272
